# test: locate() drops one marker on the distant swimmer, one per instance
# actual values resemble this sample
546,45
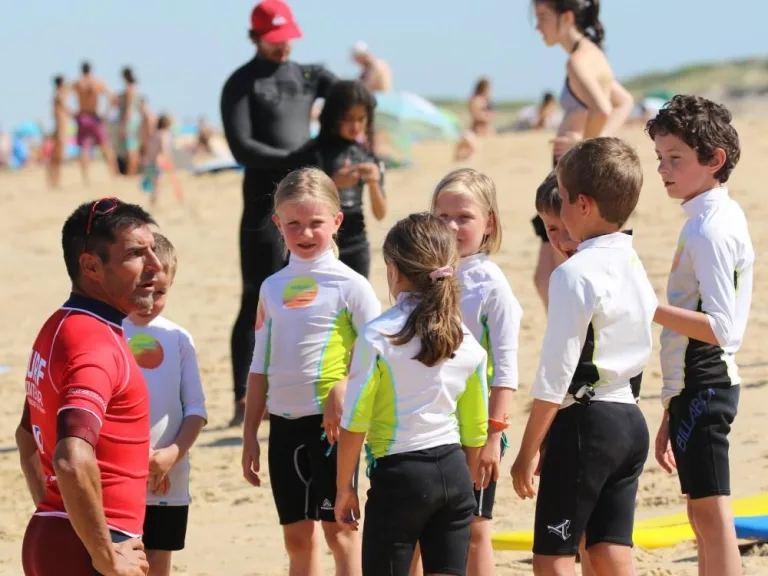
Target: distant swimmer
90,124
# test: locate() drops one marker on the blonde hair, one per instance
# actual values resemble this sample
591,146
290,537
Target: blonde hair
482,189
309,183
166,254
422,248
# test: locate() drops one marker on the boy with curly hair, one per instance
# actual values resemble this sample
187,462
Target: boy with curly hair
709,293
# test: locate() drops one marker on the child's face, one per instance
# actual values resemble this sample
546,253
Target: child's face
308,226
466,219
683,175
558,236
163,283
354,123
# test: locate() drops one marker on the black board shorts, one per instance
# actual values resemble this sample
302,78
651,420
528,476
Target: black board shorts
165,527
699,423
424,496
594,456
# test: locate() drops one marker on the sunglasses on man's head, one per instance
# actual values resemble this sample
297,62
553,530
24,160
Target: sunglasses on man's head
100,207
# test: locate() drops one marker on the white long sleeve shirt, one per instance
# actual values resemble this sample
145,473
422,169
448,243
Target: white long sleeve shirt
308,319
601,307
166,354
404,405
711,273
493,315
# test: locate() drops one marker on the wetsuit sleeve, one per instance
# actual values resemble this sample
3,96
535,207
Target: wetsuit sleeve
472,409
364,380
363,304
88,382
236,121
503,316
262,337
325,80
192,395
715,270
571,306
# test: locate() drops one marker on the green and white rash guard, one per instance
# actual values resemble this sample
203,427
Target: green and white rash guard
308,318
404,405
493,315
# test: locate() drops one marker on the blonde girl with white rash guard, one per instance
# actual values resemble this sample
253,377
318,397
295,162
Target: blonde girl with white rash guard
308,318
418,390
465,200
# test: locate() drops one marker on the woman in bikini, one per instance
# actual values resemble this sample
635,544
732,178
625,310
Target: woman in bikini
481,116
594,103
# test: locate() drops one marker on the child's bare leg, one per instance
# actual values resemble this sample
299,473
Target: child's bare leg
346,549
481,561
716,536
586,565
302,543
416,567
611,560
159,562
554,565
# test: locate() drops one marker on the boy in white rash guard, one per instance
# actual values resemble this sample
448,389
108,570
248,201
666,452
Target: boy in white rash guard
709,293
418,390
598,339
465,200
308,318
166,354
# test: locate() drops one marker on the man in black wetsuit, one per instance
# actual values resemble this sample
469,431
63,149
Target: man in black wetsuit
266,107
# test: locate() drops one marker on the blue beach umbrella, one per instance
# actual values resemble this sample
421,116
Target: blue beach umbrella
411,116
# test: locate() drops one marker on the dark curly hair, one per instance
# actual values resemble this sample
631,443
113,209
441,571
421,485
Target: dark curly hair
342,96
703,125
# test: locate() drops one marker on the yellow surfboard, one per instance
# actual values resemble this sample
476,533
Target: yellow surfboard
650,533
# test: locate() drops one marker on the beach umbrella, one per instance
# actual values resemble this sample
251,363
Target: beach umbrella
411,116
27,130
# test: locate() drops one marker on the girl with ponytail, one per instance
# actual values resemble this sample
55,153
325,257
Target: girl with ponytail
593,101
418,390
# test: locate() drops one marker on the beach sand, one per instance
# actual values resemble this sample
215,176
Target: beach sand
233,527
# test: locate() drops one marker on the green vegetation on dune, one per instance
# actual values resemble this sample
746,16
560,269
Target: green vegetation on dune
692,78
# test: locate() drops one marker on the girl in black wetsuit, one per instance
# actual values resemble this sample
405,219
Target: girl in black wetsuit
341,150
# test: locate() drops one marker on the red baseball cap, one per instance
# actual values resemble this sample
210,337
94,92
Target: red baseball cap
273,21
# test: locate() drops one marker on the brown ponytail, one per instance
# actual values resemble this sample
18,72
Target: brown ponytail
419,246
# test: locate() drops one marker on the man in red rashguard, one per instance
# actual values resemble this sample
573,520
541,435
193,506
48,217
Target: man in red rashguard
84,433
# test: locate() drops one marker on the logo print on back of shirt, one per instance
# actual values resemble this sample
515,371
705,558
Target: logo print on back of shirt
561,529
300,292
147,351
38,434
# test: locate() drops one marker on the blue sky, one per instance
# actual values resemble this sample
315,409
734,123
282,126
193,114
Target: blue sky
183,50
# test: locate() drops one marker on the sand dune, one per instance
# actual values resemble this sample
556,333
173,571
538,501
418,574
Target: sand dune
233,527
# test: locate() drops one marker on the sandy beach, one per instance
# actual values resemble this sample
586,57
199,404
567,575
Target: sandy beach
233,526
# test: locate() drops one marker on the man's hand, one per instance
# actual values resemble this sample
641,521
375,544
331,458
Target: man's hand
250,459
489,460
346,176
523,471
334,406
129,560
664,454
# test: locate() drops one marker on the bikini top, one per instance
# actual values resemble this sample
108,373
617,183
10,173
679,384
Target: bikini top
568,100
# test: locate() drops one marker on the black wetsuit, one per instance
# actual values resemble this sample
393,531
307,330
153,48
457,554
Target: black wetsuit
329,154
266,111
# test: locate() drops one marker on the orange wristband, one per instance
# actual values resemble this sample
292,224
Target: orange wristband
498,426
